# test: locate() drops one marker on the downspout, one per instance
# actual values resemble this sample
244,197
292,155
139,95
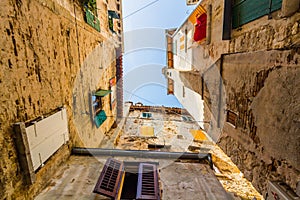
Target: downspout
227,20
270,9
143,154
220,90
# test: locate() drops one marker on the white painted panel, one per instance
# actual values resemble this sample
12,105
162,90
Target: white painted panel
47,136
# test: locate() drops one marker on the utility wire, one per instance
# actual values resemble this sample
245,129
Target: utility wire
139,97
140,9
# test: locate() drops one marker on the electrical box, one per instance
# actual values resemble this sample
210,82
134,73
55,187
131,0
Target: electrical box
280,191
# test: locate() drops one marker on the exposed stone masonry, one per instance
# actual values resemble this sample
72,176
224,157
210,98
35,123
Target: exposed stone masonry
265,142
44,43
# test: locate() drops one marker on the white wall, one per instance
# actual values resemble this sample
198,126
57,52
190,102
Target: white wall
191,100
183,57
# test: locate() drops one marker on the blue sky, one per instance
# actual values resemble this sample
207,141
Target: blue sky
144,42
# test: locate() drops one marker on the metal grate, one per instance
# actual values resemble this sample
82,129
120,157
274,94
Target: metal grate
147,182
109,180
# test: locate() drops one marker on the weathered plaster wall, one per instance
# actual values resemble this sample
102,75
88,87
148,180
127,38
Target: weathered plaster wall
43,48
188,98
169,129
261,87
207,52
208,86
264,34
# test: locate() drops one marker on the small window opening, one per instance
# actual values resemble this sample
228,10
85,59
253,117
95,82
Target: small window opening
186,118
231,117
140,180
129,189
146,115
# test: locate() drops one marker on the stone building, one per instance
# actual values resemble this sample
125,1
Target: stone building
61,66
191,2
242,58
165,129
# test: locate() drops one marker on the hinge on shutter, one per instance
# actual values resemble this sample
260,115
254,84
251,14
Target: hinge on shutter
109,181
148,187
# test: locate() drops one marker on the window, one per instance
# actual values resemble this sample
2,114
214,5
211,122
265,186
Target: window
146,115
39,139
128,180
108,182
147,187
186,118
244,11
112,15
98,115
91,14
200,28
174,47
183,91
111,24
231,117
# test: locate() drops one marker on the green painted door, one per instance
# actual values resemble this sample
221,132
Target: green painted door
245,11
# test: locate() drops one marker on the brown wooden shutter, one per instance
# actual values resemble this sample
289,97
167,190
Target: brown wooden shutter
231,117
147,182
109,181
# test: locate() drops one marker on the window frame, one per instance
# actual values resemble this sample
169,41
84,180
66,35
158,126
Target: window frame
231,118
115,166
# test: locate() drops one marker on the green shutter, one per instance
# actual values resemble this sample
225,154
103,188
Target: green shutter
100,118
102,93
92,20
245,11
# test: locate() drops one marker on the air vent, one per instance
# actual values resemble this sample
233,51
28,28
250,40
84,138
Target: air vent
109,180
147,182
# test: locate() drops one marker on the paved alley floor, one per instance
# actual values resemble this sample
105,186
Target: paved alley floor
77,178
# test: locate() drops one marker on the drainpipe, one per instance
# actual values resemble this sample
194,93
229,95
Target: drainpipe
143,154
270,9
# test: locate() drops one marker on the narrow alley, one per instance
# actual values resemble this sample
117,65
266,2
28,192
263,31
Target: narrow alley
150,99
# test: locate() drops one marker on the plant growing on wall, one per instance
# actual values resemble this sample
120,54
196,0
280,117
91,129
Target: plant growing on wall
111,24
91,5
111,15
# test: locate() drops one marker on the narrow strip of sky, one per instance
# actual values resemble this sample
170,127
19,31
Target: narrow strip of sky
145,22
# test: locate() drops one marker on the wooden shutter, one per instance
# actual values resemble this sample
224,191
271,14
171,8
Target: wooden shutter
244,11
231,117
111,176
200,28
147,182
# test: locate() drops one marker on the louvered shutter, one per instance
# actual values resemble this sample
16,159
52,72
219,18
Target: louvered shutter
147,182
244,11
109,182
